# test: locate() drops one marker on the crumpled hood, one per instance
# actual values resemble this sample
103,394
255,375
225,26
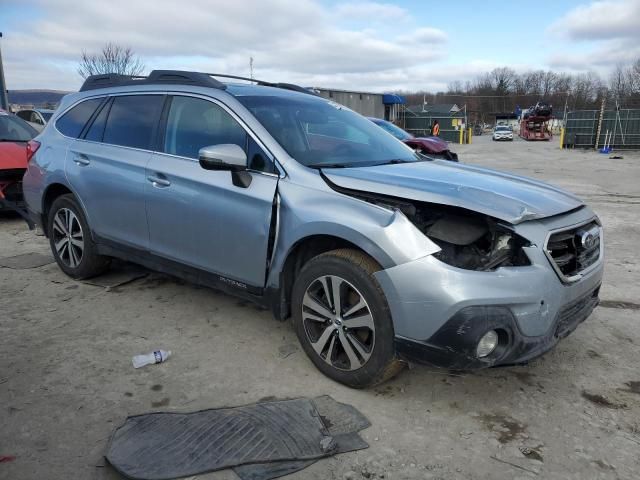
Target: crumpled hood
510,198
13,155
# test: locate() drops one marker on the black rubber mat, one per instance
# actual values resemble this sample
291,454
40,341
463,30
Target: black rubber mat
119,274
160,446
26,261
341,420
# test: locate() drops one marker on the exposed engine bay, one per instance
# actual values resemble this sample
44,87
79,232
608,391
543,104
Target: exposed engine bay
468,240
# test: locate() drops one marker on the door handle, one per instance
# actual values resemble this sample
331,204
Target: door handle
158,181
81,159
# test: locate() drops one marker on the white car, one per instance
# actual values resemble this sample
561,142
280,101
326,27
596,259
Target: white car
37,117
502,132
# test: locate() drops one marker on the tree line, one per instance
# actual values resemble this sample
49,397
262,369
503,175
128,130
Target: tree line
503,90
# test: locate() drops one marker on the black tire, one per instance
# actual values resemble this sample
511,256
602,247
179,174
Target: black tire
357,270
89,263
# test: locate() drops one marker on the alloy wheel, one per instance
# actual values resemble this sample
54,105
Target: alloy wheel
68,237
338,322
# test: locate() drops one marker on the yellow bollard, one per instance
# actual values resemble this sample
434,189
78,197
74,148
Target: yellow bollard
469,135
561,138
461,133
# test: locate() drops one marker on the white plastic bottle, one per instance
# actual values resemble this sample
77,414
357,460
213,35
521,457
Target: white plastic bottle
158,356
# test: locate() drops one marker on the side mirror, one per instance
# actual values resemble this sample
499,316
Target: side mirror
226,156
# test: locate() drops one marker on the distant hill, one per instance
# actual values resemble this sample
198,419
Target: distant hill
35,97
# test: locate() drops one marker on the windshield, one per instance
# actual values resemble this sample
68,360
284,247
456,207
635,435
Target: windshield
397,132
502,129
12,129
319,133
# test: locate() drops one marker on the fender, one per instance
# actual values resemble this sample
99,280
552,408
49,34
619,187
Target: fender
384,234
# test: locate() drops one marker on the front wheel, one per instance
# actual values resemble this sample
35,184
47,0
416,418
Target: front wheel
342,319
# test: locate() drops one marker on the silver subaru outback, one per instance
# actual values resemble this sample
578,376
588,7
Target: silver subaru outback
380,255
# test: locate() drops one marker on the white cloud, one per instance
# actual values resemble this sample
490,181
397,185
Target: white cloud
601,21
286,38
609,29
371,11
424,35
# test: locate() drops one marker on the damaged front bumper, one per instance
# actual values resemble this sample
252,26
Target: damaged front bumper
454,345
440,312
11,199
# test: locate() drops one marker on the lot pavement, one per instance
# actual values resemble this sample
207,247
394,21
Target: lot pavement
66,379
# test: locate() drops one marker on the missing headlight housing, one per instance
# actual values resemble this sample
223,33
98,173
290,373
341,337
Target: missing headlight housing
495,247
468,240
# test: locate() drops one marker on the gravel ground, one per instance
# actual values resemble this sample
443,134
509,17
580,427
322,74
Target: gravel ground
66,379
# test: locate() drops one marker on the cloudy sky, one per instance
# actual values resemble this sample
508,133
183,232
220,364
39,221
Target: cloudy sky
403,45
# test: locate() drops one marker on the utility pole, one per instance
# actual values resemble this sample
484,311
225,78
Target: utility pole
251,67
4,101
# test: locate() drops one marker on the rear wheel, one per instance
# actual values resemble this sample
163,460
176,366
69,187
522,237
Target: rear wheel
71,242
342,319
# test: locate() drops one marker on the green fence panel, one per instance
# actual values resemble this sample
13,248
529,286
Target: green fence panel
620,129
421,126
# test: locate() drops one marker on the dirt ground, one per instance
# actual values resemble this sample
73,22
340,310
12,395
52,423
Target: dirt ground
66,379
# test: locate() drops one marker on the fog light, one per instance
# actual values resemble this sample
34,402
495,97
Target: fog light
487,344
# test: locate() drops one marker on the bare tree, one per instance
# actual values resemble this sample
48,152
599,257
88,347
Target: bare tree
502,79
634,77
111,59
620,83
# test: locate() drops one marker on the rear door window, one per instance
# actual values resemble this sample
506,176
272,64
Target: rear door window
72,122
133,120
96,130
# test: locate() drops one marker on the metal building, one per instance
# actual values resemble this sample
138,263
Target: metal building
379,105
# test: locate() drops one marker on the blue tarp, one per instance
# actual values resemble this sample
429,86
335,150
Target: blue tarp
393,99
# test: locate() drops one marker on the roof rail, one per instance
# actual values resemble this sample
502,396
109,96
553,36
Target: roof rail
264,83
155,77
178,77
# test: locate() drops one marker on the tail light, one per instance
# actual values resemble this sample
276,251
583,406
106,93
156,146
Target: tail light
32,148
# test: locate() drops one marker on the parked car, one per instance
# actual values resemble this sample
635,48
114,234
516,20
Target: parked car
37,118
14,137
503,132
540,110
379,255
432,146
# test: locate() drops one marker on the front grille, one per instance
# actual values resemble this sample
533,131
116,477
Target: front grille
576,312
13,192
12,174
574,251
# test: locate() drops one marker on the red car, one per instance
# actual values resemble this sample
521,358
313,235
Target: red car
431,146
15,141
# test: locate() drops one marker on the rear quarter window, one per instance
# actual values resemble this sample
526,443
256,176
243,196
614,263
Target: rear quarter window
72,122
